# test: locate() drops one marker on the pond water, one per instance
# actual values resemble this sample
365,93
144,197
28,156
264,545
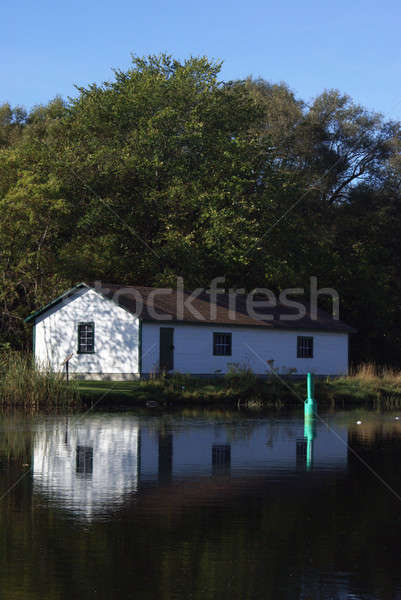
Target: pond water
200,505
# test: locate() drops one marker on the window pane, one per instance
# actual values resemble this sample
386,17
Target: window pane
304,346
86,337
222,344
84,460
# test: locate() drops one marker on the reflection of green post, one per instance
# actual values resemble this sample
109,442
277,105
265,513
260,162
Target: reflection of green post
309,420
309,433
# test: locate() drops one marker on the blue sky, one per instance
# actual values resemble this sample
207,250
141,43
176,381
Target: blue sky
351,45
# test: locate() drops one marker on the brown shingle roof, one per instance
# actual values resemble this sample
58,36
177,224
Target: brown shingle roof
167,305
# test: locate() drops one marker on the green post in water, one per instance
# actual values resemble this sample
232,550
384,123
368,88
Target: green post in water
309,420
310,402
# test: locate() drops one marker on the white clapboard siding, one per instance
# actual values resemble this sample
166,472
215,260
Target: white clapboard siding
116,336
193,351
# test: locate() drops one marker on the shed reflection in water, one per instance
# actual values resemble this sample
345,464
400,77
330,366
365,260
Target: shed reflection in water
90,464
212,506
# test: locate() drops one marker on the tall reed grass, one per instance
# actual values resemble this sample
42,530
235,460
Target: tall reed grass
370,373
23,383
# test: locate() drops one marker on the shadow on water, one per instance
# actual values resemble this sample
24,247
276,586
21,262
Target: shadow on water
209,505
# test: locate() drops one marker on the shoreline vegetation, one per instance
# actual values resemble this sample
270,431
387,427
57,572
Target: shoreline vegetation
21,384
365,386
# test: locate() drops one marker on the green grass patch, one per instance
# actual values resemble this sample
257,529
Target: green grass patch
23,384
182,389
382,390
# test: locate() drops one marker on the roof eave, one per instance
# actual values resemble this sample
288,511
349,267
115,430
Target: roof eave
43,309
269,326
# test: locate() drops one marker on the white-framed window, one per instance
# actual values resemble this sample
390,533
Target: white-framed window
84,460
304,346
86,338
221,344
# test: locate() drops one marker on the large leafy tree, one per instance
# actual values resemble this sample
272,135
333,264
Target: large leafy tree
165,170
151,162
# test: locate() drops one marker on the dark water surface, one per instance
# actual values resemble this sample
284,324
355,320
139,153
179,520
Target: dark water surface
200,505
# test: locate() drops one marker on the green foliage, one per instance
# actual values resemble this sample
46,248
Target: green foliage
369,386
240,375
167,171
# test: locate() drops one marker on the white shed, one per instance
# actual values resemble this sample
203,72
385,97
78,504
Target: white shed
125,332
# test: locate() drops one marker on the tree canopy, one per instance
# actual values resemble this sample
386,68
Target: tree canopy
168,171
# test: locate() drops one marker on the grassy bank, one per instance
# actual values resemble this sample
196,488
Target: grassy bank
366,386
21,384
180,389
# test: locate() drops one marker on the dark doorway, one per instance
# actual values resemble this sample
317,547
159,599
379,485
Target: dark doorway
166,348
221,459
165,456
